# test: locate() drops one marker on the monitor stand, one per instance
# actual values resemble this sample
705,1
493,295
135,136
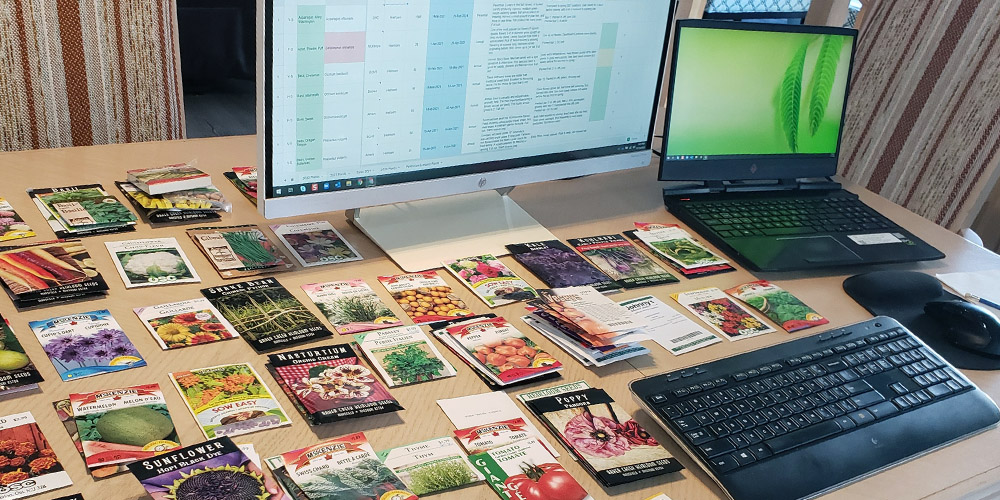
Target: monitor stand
418,235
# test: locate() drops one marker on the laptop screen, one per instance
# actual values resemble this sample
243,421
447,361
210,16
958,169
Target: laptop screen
755,100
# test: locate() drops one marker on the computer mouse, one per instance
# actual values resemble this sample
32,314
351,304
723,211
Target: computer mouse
967,325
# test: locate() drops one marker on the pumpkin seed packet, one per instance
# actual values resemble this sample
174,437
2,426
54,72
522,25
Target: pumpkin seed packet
30,466
559,266
185,323
404,355
17,371
490,279
150,262
266,314
229,400
341,468
622,261
12,226
331,383
49,272
195,473
424,297
525,468
64,411
782,307
351,306
721,313
315,243
86,344
123,425
431,466
85,207
237,251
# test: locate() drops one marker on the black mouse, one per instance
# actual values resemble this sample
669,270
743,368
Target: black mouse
967,325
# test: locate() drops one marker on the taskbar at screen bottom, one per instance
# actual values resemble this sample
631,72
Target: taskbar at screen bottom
321,186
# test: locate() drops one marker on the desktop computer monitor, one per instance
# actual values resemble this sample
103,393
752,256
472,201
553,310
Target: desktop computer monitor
365,103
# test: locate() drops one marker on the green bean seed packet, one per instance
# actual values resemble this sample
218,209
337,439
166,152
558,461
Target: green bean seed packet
239,251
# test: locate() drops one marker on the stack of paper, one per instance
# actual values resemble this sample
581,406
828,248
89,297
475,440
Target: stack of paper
174,193
676,247
84,210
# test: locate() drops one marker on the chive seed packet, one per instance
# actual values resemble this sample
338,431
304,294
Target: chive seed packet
315,243
720,312
424,297
403,355
239,251
185,323
17,371
229,400
622,261
266,314
123,425
351,306
430,466
490,280
559,266
777,304
86,344
12,226
30,467
150,262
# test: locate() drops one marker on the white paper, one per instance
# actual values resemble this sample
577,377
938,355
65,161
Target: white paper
982,284
668,327
486,408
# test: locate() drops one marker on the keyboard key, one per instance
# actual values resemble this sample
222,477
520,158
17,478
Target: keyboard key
717,447
761,451
744,457
724,463
802,437
845,423
657,399
867,399
686,423
856,387
672,412
861,417
704,418
698,437
719,430
939,390
739,441
883,409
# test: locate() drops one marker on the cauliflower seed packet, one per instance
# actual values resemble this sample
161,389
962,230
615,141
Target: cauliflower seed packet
153,261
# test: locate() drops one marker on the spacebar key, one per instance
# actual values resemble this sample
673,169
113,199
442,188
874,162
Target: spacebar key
801,437
784,231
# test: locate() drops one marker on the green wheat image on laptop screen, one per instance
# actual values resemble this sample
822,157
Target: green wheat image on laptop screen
748,92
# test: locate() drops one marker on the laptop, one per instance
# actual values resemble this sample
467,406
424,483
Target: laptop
755,114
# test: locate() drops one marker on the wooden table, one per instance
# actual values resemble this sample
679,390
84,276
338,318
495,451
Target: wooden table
600,204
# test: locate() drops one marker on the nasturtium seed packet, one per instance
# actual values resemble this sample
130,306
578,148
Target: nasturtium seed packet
778,304
431,466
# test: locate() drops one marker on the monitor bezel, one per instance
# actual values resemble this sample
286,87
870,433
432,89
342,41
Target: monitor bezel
482,176
752,167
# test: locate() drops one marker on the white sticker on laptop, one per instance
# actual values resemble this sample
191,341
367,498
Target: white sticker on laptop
875,238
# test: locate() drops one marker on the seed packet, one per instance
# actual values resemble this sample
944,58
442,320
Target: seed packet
229,400
202,204
185,323
76,496
590,311
237,251
168,178
64,410
12,226
668,327
697,272
424,297
558,266
621,452
280,473
265,314
344,467
526,468
17,371
196,472
153,261
675,244
403,355
351,306
430,466
315,243
487,408
579,385
245,180
480,438
782,307
490,279
49,272
716,309
622,261
86,344
503,350
123,425
83,208
29,466
330,383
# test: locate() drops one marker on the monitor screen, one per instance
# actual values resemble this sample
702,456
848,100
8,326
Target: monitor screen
757,94
364,94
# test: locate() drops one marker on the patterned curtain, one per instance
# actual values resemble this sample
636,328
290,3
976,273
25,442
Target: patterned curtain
76,73
923,119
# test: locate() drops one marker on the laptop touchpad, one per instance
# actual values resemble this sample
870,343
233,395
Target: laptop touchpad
819,249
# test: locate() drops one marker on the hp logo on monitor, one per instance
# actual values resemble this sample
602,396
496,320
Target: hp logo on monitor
482,182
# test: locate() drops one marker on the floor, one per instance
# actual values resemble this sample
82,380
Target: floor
229,109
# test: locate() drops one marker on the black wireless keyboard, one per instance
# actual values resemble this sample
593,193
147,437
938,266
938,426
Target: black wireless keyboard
798,419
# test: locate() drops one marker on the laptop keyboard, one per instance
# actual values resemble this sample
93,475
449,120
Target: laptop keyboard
755,414
787,216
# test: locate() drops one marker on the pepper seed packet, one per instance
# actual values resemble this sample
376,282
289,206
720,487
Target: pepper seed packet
12,226
424,297
229,400
153,261
344,467
29,466
239,251
782,307
716,309
351,306
123,425
559,266
315,243
330,383
507,355
490,280
622,261
64,410
196,473
621,452
17,371
403,355
86,344
266,314
431,466
525,465
185,323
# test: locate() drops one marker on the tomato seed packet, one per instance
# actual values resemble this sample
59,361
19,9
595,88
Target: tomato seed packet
481,438
782,307
525,469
